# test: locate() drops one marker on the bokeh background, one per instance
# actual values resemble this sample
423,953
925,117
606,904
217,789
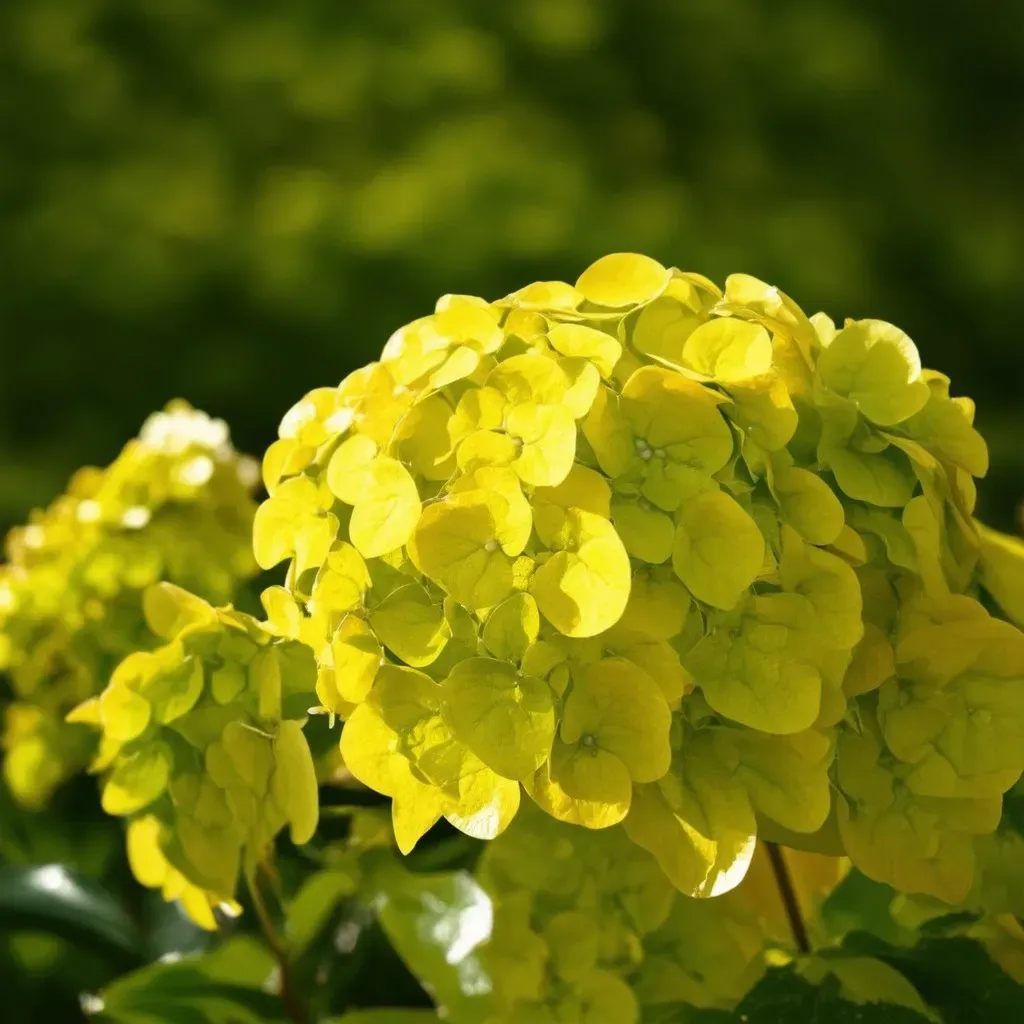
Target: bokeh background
236,202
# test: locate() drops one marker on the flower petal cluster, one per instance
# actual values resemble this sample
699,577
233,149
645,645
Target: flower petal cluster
202,749
175,505
586,927
655,553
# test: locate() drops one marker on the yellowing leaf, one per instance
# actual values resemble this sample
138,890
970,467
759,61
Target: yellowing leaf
284,458
485,803
357,655
123,712
747,297
584,384
506,719
609,433
145,857
501,490
486,448
463,362
880,479
546,295
945,427
172,694
718,549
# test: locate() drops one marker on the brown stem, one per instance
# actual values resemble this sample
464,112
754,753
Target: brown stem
788,897
292,1007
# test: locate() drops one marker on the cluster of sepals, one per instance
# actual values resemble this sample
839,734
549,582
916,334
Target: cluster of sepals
202,749
587,928
659,555
176,505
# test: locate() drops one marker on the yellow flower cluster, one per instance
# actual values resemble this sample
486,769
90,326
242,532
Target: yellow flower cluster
202,748
587,928
175,505
659,554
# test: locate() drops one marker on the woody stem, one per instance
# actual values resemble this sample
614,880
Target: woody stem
788,896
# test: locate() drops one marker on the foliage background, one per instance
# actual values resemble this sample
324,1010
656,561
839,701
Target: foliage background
237,202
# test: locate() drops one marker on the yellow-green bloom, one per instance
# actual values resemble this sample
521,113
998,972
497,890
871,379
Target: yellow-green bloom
175,505
658,554
202,748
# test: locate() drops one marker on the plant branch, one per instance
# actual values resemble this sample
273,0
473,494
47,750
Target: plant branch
292,1006
788,896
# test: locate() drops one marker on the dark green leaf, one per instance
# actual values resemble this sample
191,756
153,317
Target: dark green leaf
1013,809
859,904
314,905
784,997
954,975
223,987
53,900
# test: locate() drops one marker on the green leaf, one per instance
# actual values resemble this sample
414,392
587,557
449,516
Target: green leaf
223,987
51,899
783,995
314,904
858,903
954,975
437,923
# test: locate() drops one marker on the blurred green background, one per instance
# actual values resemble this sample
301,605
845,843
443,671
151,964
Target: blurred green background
235,202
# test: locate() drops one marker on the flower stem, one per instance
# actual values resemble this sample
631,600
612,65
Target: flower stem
292,1006
788,896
